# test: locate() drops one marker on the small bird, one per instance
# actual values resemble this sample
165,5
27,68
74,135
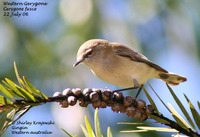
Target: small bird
120,65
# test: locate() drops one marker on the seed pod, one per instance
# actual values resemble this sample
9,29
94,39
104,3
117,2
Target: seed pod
144,117
109,102
96,90
118,96
77,92
128,101
106,94
57,94
86,92
83,103
116,107
67,92
137,114
103,104
134,99
141,103
94,96
149,109
130,111
71,100
123,109
64,104
96,104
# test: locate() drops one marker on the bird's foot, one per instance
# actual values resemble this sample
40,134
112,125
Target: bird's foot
124,89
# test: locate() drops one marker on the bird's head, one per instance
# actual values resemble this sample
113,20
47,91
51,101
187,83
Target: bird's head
91,51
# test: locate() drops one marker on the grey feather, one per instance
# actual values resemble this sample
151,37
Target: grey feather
124,51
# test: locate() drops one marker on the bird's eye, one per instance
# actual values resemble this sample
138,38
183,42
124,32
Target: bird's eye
90,52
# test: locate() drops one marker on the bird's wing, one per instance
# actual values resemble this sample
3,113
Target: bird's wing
124,51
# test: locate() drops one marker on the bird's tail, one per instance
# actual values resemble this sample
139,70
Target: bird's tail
171,78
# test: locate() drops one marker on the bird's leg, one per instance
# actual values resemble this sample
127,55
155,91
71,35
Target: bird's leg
136,85
138,92
124,89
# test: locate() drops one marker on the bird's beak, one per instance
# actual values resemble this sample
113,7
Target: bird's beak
78,62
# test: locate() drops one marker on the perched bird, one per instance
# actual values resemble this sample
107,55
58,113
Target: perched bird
122,66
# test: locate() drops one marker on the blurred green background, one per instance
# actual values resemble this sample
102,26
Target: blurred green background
44,46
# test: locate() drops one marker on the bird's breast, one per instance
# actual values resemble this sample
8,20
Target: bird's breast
122,72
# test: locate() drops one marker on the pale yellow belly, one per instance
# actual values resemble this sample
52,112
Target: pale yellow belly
124,74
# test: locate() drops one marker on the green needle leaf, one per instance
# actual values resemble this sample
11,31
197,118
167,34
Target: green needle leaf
133,131
6,119
6,92
25,86
151,101
163,129
13,90
88,126
179,119
159,98
97,124
84,131
67,133
195,114
16,72
109,133
26,94
33,89
4,101
181,107
158,119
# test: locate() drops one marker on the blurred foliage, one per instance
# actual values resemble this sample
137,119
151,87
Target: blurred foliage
89,131
45,43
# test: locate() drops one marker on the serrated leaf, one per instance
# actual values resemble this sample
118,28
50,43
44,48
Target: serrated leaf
34,89
6,92
97,124
109,133
67,133
151,101
195,114
6,119
85,131
4,100
89,129
181,107
158,119
179,119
